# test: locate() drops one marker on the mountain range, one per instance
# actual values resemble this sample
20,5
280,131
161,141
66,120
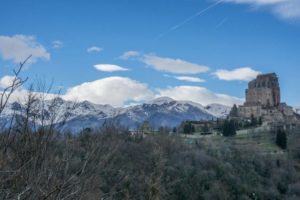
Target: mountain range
159,112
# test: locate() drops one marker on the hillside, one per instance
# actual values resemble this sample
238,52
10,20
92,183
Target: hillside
109,165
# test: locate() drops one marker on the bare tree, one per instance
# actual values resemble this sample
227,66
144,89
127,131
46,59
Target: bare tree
16,83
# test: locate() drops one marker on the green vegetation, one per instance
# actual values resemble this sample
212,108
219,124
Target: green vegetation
110,163
234,111
229,128
253,121
188,128
281,139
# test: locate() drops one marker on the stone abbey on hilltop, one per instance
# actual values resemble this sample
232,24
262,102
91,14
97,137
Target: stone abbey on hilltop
264,91
263,101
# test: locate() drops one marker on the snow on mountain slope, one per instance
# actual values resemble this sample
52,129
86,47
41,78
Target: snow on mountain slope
297,110
162,111
218,110
60,107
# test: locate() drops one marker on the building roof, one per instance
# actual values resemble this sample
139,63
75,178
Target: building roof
273,75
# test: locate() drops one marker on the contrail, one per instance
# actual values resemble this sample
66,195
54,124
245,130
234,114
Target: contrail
189,19
221,23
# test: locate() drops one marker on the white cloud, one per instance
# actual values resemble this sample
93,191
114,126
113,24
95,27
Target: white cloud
176,66
129,54
6,81
259,2
94,49
199,95
19,47
21,95
171,65
115,91
123,91
287,9
57,44
109,68
239,74
189,79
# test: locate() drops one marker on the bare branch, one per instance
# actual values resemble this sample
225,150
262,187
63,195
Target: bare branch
16,83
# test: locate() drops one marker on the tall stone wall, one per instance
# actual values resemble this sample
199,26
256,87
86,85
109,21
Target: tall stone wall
264,91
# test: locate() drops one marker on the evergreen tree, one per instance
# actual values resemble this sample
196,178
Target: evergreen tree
192,128
253,120
186,128
260,121
229,128
234,111
281,139
225,128
174,130
232,127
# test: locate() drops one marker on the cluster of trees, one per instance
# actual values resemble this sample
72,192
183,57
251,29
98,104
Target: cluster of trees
110,163
188,128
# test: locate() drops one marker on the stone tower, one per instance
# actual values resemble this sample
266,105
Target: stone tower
263,91
263,103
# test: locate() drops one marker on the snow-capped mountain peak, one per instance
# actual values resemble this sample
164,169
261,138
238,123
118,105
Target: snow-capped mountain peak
160,100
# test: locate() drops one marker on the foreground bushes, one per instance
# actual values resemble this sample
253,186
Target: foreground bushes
112,164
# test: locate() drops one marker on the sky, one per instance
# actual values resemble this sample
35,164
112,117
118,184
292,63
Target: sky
124,52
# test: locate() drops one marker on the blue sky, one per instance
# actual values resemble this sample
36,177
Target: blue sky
199,50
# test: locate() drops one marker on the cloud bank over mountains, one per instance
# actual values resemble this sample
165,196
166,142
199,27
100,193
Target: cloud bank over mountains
122,91
199,95
116,91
